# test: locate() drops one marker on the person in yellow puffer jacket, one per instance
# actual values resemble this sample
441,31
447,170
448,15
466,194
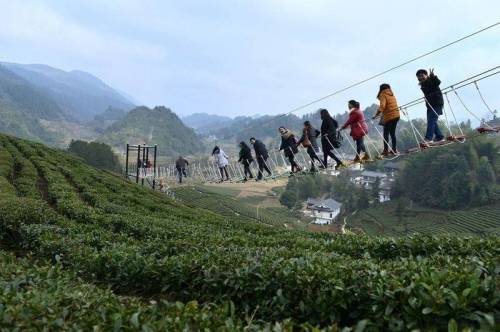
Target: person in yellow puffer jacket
389,110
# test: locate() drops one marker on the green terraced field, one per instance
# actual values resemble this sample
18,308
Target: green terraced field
82,249
382,220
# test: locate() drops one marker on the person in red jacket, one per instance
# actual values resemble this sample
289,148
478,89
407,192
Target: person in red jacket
359,129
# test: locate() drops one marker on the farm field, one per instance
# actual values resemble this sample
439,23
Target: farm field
383,220
83,249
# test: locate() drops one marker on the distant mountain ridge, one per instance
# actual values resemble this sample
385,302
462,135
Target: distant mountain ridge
78,94
159,126
204,123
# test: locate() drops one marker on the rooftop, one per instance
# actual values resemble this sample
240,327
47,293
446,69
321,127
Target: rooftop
327,205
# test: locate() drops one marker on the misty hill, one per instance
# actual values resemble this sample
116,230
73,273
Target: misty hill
78,94
159,126
24,106
205,123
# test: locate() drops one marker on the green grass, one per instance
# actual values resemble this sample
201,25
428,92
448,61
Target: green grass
83,249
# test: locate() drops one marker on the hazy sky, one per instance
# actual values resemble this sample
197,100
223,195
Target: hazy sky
248,57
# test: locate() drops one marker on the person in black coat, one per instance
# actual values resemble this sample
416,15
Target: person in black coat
429,83
261,155
180,165
246,159
289,148
308,140
328,137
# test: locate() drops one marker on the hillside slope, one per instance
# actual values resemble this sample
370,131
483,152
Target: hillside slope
227,274
23,107
79,94
158,126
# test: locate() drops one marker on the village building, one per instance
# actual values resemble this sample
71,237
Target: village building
323,212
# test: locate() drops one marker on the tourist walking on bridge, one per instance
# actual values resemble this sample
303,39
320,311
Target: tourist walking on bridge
261,155
246,159
329,140
429,83
289,148
222,161
359,129
308,140
389,112
181,165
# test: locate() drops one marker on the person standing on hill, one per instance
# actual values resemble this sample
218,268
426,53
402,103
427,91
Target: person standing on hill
389,110
308,140
429,84
289,148
261,155
222,161
181,165
329,139
359,129
246,159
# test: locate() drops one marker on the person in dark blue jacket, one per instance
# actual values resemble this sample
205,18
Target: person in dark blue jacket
246,159
429,83
261,155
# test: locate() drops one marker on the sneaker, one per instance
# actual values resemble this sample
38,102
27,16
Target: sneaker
385,153
356,160
338,166
366,157
440,139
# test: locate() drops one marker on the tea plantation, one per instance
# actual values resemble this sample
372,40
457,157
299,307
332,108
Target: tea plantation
82,249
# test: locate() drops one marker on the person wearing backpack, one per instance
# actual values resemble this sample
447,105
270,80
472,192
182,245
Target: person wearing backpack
289,148
389,112
308,141
222,161
180,165
329,140
429,84
261,155
246,159
359,129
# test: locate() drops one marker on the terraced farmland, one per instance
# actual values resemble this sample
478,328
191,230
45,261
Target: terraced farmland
82,249
383,220
199,197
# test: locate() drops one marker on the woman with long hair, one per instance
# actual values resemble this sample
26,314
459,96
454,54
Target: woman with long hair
246,159
359,129
222,161
308,140
289,148
329,137
389,110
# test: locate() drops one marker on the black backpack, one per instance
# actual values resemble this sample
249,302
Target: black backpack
337,141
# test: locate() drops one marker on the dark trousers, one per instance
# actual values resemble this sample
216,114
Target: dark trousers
328,152
433,130
262,166
390,129
360,145
182,173
293,163
246,168
313,155
222,171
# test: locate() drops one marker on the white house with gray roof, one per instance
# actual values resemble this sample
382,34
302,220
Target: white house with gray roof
325,211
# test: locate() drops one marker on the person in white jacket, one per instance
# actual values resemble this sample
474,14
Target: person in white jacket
222,161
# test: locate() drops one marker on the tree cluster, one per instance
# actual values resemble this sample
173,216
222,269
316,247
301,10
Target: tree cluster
96,154
458,176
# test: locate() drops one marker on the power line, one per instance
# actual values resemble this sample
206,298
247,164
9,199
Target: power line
391,69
